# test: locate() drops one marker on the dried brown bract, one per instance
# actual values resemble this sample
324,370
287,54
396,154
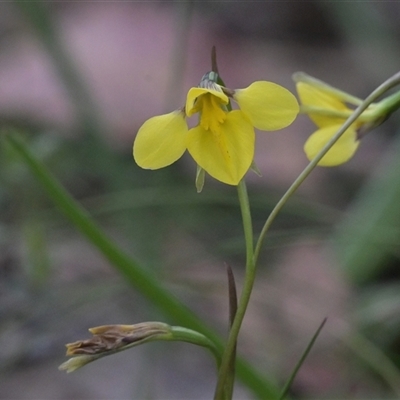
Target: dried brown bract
108,339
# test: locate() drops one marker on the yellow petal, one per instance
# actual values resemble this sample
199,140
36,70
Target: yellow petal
344,97
227,154
268,106
314,96
340,152
160,141
194,93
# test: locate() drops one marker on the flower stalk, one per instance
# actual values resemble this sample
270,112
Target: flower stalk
379,91
222,144
230,349
252,257
111,339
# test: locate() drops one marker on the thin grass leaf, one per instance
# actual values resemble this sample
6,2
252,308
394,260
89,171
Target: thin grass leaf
301,361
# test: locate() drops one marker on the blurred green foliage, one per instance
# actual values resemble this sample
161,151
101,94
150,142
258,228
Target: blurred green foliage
140,208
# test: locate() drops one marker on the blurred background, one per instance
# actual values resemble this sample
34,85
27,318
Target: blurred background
77,80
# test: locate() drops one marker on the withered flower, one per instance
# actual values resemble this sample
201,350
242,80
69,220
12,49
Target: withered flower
109,339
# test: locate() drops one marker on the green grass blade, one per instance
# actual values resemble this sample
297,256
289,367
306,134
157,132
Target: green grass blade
301,361
143,281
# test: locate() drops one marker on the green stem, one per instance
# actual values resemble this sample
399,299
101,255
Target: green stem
251,258
389,104
143,281
379,91
227,357
190,336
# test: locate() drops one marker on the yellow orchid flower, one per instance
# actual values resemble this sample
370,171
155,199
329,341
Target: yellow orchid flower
328,108
223,141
